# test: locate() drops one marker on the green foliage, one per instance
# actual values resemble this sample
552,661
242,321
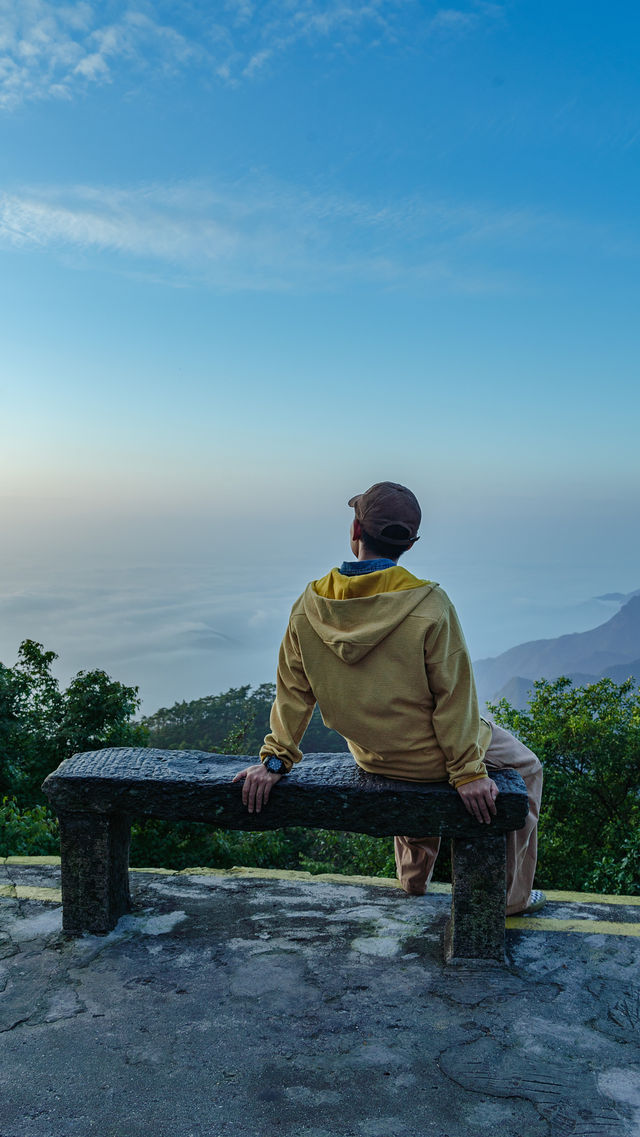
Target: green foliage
350,853
185,844
27,832
620,873
234,722
40,725
588,740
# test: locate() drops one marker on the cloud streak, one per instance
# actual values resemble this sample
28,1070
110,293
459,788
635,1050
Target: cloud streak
56,50
260,234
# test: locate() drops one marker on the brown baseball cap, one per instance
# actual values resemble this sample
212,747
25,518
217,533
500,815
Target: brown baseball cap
386,507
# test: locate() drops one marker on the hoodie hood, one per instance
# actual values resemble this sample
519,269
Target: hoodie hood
353,614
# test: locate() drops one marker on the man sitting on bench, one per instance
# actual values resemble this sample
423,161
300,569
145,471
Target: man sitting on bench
383,655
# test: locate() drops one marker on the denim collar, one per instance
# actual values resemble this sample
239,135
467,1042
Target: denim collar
359,568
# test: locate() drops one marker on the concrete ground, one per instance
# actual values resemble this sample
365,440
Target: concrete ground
261,1004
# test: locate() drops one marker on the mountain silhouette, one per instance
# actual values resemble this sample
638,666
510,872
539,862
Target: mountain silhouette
612,649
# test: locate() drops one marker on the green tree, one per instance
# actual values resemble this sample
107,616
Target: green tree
30,711
40,724
588,740
97,711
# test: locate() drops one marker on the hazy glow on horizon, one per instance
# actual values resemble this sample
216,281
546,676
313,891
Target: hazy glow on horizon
258,257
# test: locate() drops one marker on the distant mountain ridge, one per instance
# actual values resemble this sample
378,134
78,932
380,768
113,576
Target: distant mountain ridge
612,649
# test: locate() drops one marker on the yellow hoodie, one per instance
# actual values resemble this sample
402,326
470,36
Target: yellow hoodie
384,657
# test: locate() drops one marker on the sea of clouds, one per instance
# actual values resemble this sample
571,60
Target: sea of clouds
181,629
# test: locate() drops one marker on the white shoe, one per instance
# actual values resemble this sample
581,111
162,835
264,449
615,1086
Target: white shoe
537,900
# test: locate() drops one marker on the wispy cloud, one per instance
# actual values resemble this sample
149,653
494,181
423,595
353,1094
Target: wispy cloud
337,23
49,49
258,233
53,50
256,34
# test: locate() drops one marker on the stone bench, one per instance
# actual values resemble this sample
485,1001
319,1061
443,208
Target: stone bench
97,794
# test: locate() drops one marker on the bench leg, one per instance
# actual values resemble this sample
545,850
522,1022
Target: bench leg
94,851
476,928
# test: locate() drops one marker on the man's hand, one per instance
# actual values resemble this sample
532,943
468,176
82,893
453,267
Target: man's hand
479,798
258,782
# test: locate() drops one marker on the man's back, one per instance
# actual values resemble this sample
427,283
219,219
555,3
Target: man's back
376,650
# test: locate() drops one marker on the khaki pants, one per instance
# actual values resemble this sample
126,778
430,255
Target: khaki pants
416,856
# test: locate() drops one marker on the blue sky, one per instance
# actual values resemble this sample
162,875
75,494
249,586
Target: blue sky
256,257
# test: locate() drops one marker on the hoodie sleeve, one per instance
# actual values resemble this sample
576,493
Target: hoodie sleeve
456,718
293,704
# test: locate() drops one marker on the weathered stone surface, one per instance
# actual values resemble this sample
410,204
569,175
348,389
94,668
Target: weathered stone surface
237,1007
326,791
559,1094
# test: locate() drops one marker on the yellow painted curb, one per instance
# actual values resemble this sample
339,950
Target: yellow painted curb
584,927
31,861
284,874
301,875
25,892
306,877
592,898
337,878
160,872
52,895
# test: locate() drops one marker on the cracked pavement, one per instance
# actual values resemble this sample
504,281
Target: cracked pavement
231,1004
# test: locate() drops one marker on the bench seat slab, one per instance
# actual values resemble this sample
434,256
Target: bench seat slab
326,791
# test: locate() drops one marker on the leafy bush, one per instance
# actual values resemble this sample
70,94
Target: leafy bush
349,853
27,832
620,873
588,740
183,844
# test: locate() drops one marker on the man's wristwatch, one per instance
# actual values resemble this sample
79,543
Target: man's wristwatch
275,765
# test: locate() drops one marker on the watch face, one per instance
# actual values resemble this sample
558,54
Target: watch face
275,765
